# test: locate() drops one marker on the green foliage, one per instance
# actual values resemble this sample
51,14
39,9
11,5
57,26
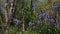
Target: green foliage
39,29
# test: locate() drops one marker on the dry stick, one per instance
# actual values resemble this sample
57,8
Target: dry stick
12,8
14,5
23,25
6,12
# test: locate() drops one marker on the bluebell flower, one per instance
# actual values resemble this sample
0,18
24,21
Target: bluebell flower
41,16
58,4
57,7
44,14
48,17
18,23
52,21
7,1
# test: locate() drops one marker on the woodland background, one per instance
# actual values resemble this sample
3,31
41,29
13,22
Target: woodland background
29,16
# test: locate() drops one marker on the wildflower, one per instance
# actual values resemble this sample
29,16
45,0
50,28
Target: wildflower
18,23
52,21
57,7
7,1
41,16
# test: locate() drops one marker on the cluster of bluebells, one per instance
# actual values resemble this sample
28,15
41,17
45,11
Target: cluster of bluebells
53,21
41,16
44,15
57,7
7,1
18,23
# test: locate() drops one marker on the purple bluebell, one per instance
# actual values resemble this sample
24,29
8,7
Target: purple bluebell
48,17
58,4
45,14
52,21
7,1
41,16
57,7
18,23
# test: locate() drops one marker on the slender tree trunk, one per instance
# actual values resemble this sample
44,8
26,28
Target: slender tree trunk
23,25
6,17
